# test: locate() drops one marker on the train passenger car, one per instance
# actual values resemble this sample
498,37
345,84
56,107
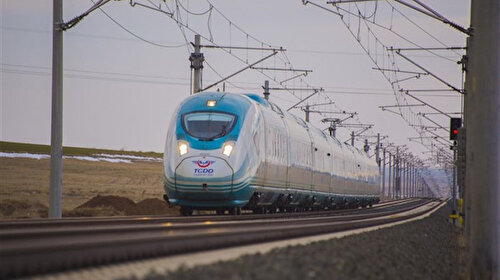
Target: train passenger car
229,151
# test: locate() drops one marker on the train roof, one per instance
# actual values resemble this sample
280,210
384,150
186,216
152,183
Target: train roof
259,99
223,101
239,104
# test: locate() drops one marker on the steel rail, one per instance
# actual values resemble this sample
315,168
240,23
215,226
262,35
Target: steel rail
142,219
84,231
19,257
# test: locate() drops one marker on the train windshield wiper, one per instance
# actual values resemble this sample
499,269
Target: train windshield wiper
222,133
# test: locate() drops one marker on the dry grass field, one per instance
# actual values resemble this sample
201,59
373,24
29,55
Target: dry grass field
24,184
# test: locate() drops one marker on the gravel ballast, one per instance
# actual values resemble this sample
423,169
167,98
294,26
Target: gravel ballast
423,249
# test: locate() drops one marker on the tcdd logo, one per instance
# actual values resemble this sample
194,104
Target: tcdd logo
204,163
203,171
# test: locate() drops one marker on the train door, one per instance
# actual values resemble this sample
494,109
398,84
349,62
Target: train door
275,150
338,163
300,170
321,161
259,139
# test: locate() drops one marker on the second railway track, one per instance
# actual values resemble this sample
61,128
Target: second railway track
47,246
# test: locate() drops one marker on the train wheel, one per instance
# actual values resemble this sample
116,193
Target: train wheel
235,211
186,211
259,210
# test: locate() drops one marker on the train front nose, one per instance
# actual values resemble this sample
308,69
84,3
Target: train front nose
206,172
205,175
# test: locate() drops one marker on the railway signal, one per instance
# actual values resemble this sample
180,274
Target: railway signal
455,124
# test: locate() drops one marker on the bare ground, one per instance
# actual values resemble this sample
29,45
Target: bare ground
24,186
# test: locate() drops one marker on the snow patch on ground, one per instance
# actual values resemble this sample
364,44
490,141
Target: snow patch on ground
107,158
115,160
23,155
129,157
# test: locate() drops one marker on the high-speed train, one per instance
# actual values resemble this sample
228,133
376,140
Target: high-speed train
228,152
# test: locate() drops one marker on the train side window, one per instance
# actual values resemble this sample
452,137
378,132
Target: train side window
256,140
278,145
271,142
283,147
275,140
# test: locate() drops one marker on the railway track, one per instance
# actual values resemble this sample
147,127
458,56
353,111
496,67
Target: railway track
32,224
41,246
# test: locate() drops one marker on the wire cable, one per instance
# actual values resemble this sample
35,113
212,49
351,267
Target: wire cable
135,35
194,13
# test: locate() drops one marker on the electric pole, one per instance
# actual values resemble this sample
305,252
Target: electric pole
307,111
482,122
397,175
366,147
266,90
404,166
383,174
389,178
197,59
55,192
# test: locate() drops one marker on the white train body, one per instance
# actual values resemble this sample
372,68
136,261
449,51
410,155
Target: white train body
277,161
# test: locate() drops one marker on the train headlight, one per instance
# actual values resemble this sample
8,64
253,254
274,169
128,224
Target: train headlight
182,147
227,148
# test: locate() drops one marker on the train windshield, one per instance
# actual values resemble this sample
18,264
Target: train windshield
208,125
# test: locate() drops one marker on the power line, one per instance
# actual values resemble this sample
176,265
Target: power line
348,53
195,13
329,89
391,62
183,25
419,27
89,77
390,29
137,36
95,72
177,18
75,34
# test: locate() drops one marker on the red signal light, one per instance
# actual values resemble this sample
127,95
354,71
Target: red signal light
455,124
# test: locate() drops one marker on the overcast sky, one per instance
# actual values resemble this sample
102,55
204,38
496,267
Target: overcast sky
120,91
